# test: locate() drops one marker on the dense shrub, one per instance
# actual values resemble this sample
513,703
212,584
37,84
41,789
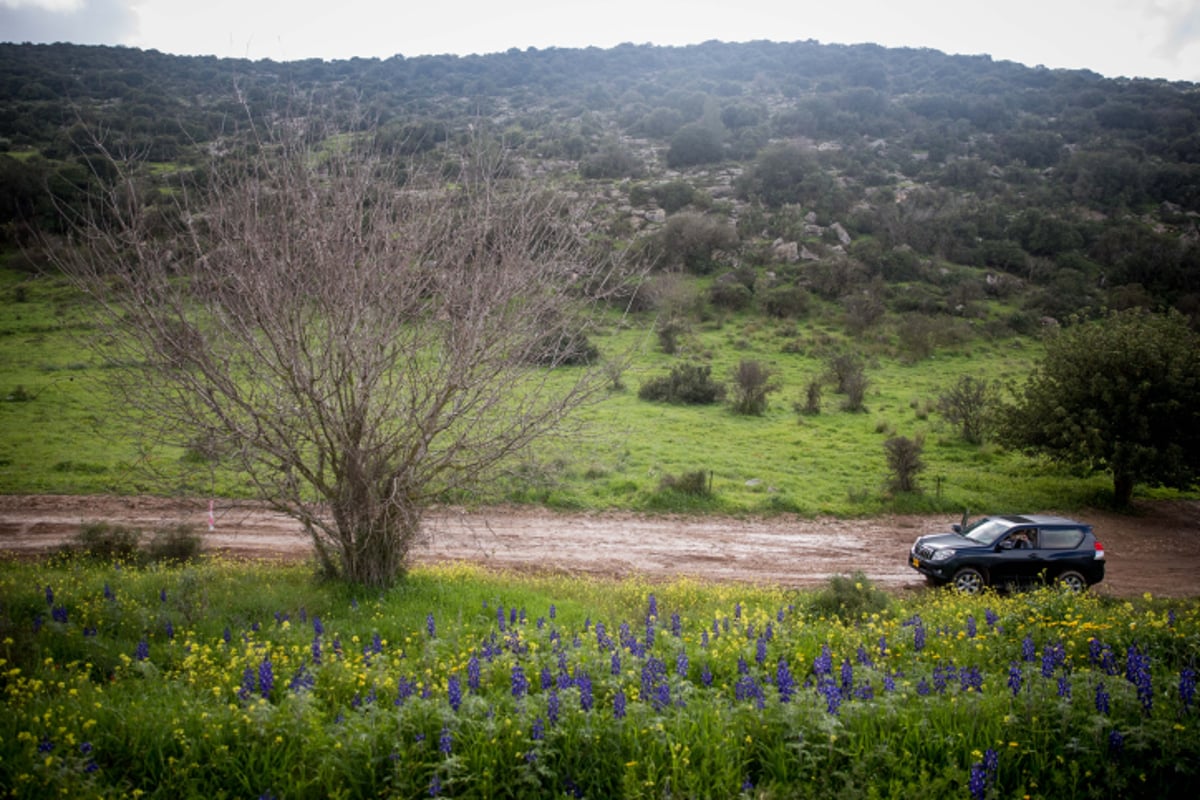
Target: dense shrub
104,541
696,484
849,598
904,461
176,544
751,382
687,384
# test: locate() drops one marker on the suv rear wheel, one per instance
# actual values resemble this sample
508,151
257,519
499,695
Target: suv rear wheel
1072,580
969,580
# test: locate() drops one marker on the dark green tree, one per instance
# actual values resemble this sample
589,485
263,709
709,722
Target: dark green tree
1120,394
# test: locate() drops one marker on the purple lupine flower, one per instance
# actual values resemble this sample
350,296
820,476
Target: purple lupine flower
703,638
316,649
553,611
923,687
865,691
318,626
737,610
749,689
785,684
45,746
108,593
918,636
170,630
435,786
1187,687
823,664
430,625
676,625
706,676
512,616
445,741
1095,649
681,664
538,731
546,678
248,684
266,677
473,673
748,785
889,682
226,635
1102,700
649,631
991,763
662,696
162,594
971,629
977,783
303,680
404,689
1014,678
616,663
833,695
847,675
619,704
1116,742
520,686
882,646
991,617
500,618
584,682
1137,671
59,614
143,650
653,612
863,657
760,651
1028,649
1064,686
49,595
750,630
552,707
454,692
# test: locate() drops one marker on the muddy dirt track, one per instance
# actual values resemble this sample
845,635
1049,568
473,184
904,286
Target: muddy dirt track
1156,549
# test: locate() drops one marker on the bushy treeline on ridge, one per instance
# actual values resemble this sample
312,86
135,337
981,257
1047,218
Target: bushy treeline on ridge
842,171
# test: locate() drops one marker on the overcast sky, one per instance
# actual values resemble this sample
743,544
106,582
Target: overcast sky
1135,38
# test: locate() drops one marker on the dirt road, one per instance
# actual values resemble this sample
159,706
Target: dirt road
1155,550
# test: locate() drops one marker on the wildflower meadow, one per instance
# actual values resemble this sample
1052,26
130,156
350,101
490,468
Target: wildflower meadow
252,680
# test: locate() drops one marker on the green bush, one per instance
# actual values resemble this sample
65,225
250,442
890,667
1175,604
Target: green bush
849,598
104,541
176,544
687,384
696,484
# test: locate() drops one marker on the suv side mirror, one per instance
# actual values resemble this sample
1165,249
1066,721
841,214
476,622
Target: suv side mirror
956,528
1007,544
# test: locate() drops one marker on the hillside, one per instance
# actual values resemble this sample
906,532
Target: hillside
867,167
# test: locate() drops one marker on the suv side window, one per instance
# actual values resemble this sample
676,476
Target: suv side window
1060,538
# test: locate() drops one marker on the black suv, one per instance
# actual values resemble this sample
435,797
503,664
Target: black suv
1011,551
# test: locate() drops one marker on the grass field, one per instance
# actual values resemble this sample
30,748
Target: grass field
60,434
218,679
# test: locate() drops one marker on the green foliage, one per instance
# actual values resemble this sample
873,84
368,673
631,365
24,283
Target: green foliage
1119,394
175,544
693,241
104,541
694,144
905,462
687,384
751,382
971,405
225,679
850,599
697,483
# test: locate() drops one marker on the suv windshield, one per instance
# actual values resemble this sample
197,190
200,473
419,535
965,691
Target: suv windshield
986,530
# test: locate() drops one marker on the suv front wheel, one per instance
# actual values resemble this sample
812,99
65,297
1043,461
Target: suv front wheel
969,580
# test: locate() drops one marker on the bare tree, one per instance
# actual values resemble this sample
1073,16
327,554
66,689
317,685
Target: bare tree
358,339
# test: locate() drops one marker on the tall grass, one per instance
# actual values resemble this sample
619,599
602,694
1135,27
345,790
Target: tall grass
252,680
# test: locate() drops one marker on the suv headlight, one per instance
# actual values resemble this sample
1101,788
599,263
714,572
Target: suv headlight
942,555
